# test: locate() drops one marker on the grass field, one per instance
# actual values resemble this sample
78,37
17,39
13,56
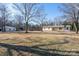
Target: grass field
39,43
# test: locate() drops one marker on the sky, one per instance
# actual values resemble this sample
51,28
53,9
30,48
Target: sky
52,10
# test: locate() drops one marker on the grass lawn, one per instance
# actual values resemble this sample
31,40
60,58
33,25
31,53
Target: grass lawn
39,43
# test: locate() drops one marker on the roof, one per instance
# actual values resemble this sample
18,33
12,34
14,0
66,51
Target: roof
55,26
9,27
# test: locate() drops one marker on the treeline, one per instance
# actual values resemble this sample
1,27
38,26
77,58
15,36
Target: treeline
32,16
71,15
20,15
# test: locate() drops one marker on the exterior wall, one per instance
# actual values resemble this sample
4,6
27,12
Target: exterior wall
67,28
47,29
57,28
53,29
10,29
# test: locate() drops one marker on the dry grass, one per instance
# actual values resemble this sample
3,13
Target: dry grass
63,43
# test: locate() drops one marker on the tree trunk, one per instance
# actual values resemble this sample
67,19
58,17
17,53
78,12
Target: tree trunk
76,27
42,28
77,31
3,26
26,27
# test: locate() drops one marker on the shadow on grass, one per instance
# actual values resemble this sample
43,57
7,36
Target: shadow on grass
65,41
35,49
18,48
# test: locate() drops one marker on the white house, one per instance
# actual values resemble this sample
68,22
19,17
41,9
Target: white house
9,29
56,28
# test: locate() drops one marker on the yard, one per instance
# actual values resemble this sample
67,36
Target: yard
39,43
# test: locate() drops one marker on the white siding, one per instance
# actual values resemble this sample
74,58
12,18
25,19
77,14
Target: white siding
47,29
10,29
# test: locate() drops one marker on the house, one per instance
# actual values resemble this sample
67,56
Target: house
56,28
9,29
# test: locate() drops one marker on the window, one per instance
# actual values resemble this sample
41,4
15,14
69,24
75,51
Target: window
60,28
53,28
0,30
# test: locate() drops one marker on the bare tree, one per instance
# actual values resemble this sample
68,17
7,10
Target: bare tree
42,16
58,20
28,11
19,22
4,15
71,12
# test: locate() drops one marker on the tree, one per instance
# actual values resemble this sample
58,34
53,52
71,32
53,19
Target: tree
71,12
4,15
58,20
18,22
41,16
28,11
